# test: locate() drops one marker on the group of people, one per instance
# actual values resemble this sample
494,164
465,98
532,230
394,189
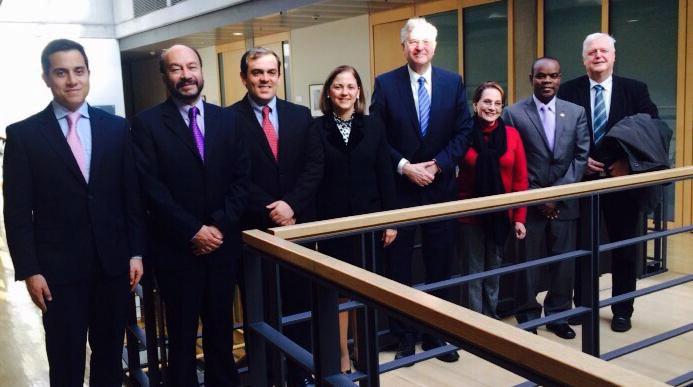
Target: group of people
86,197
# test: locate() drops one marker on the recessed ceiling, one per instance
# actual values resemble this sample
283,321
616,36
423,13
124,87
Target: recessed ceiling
317,13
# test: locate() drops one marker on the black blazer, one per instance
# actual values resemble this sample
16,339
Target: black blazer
445,141
183,193
358,176
56,222
295,177
628,97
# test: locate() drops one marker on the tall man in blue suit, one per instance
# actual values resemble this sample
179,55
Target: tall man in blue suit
74,220
194,171
425,112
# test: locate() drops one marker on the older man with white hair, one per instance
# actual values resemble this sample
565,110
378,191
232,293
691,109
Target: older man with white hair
607,99
425,112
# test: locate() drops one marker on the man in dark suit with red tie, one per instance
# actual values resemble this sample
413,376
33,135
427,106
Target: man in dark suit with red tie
74,221
425,112
194,171
607,99
286,169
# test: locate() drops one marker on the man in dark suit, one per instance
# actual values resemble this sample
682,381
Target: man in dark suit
607,99
556,139
286,167
194,170
424,109
74,220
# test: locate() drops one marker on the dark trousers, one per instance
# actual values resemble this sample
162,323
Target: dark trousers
622,220
437,239
201,292
96,309
546,238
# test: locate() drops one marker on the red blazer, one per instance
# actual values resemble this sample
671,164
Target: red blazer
513,169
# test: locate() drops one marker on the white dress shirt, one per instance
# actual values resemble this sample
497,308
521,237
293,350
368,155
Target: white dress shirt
414,81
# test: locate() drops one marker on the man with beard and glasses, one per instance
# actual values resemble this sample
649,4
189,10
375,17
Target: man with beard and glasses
194,171
557,142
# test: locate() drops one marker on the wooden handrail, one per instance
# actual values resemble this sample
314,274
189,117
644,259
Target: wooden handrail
461,207
552,360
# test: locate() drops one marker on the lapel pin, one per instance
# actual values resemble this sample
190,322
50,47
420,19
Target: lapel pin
562,114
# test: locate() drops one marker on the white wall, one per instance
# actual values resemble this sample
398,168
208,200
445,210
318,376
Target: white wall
57,11
317,50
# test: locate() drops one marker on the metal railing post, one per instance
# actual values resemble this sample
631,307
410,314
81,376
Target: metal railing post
150,330
325,329
254,313
589,274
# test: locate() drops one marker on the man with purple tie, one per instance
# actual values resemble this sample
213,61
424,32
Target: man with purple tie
194,171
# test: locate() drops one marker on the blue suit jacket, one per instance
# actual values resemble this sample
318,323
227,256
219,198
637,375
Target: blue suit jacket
446,138
57,222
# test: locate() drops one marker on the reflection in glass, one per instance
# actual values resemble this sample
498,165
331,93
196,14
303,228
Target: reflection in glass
485,45
566,23
447,43
649,57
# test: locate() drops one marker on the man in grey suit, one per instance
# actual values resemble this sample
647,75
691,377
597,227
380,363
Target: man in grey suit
556,139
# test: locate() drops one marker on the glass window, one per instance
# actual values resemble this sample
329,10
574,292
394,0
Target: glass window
646,48
447,42
566,23
485,45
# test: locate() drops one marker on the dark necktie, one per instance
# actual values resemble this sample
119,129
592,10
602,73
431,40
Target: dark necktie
599,114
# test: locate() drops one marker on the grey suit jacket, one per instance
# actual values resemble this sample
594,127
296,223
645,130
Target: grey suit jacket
566,163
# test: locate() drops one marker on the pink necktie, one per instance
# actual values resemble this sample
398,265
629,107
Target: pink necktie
271,135
74,142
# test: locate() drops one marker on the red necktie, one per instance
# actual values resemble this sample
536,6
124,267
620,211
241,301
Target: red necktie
271,135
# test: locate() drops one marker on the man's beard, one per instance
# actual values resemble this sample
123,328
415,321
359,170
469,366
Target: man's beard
185,97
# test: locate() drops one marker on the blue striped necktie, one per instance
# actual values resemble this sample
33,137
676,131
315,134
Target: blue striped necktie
599,114
424,106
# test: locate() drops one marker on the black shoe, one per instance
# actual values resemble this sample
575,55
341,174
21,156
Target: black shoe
575,320
533,330
562,330
308,382
620,324
405,348
436,342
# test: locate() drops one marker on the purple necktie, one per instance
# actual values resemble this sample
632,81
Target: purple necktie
548,121
197,133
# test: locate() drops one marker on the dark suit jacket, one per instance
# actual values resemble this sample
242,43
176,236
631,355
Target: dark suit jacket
564,164
358,178
446,138
183,193
56,223
628,97
295,178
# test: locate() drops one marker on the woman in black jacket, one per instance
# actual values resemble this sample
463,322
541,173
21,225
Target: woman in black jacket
358,178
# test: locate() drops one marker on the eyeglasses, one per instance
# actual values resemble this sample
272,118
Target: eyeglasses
542,76
489,103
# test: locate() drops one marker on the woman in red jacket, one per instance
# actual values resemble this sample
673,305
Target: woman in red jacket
494,164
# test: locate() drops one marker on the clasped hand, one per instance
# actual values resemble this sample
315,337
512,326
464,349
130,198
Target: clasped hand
208,239
421,174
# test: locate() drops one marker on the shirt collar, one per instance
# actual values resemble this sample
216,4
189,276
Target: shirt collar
272,104
184,108
606,84
61,111
414,76
551,105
